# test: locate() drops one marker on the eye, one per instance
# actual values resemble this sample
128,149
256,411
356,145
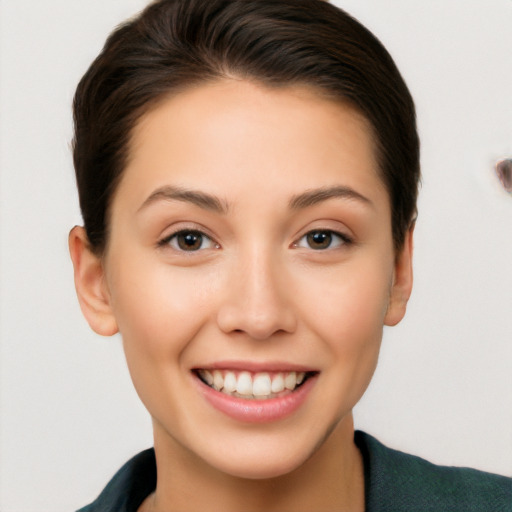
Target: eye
189,240
321,239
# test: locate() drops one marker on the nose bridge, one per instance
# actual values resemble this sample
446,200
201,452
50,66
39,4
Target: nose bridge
257,301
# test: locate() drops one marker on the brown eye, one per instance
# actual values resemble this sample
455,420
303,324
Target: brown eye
323,239
189,241
319,239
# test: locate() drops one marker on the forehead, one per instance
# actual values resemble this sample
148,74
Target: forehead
233,134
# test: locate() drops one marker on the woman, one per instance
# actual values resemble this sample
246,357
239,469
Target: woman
248,175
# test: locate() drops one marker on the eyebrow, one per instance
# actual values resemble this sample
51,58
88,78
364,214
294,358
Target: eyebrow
315,196
212,203
201,199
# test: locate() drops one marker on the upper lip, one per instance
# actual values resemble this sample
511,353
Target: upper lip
255,366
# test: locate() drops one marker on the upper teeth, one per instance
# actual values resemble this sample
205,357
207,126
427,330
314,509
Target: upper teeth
248,385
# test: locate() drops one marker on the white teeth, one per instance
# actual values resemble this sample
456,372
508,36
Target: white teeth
290,381
207,376
218,380
230,382
278,383
246,385
262,385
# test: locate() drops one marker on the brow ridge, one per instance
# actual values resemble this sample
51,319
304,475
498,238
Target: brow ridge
173,193
315,196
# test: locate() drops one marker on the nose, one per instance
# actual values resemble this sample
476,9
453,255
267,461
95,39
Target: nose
257,300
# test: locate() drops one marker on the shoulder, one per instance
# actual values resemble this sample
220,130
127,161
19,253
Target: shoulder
400,482
129,487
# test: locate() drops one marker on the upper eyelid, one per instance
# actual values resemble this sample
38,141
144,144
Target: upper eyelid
181,227
163,240
345,234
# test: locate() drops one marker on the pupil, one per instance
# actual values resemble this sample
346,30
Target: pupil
319,240
189,241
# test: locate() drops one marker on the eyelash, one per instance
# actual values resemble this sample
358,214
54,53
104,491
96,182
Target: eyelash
174,237
331,237
343,239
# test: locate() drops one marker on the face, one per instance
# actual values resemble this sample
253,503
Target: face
250,270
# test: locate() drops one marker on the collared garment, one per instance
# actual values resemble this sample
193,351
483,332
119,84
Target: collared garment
394,482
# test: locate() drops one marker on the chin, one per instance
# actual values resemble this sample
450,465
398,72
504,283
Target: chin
253,459
261,468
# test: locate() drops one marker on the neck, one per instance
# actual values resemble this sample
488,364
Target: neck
331,479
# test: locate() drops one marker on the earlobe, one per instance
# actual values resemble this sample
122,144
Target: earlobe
402,282
90,284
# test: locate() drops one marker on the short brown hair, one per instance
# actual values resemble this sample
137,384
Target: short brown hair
174,44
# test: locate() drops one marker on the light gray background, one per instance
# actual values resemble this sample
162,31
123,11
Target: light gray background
69,416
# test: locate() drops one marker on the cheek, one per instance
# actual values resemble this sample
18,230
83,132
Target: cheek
351,304
159,309
348,315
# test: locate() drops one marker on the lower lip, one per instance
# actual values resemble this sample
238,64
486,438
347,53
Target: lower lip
258,411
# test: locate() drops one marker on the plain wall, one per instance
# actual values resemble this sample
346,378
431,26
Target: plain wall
68,414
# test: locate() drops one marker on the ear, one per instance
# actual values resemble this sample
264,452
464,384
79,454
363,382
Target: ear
402,282
90,284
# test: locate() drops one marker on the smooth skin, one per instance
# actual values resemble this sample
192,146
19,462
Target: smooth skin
250,227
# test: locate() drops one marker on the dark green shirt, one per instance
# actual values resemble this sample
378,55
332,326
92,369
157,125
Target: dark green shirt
394,482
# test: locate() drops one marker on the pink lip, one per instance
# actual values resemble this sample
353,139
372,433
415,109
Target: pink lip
254,367
257,411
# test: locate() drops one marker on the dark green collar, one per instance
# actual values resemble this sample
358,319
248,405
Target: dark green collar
394,482
398,482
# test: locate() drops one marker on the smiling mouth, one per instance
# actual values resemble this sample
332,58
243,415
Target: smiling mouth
253,386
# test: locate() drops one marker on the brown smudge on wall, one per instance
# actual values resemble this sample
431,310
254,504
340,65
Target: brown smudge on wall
504,173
